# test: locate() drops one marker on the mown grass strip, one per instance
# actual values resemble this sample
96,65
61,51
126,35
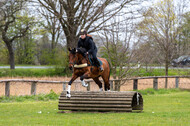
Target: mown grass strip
61,71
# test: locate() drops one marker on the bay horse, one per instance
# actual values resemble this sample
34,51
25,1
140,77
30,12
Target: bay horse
83,67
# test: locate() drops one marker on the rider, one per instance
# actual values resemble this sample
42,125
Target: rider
87,43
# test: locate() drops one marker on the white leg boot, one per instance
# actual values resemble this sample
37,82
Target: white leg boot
68,95
101,89
84,84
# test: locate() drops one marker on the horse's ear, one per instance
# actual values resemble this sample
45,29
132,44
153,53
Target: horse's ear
69,49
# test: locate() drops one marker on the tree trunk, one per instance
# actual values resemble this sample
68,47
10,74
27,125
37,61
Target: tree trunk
11,57
72,41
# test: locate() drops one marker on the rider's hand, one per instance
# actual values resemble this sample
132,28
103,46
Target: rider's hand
86,52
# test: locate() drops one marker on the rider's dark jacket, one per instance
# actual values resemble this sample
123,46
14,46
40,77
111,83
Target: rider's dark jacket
88,44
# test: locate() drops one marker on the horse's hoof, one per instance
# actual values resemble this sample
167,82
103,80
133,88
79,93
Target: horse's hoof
85,85
68,95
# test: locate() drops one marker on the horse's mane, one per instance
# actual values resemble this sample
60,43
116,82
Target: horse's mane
81,51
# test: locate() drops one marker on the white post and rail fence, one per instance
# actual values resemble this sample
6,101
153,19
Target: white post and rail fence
112,82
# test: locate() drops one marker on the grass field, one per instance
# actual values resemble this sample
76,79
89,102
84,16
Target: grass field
172,109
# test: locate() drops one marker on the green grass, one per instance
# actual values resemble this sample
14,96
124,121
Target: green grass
151,91
32,72
59,71
166,109
41,97
161,72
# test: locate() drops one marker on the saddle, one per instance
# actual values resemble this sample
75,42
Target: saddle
92,62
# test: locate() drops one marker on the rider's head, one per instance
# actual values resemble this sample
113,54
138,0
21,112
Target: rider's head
83,33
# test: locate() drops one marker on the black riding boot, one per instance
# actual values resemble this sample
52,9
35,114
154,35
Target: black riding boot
95,59
98,64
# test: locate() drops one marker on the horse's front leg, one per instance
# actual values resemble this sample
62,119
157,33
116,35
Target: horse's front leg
84,76
74,77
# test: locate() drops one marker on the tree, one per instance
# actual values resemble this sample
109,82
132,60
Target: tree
116,48
182,9
25,49
160,23
185,34
3,53
77,14
53,27
9,30
146,54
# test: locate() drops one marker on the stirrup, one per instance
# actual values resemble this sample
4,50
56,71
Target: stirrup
101,68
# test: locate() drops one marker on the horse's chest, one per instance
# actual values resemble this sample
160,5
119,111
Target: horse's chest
80,71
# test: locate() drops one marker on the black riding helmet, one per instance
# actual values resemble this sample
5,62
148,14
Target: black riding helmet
83,32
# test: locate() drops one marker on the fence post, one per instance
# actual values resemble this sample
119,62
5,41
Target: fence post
155,83
7,89
33,88
176,82
135,84
88,87
166,82
111,85
64,86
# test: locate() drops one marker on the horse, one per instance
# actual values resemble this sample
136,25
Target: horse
83,67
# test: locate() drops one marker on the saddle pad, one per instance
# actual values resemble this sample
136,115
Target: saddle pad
90,59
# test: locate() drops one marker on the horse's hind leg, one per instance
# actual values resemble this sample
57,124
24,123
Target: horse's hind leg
106,82
98,82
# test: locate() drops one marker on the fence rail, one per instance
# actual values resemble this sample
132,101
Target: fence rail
135,83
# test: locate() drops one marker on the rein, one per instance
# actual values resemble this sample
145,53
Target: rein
80,65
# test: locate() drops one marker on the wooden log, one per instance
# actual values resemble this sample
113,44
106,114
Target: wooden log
98,99
97,109
94,102
102,92
95,105
99,96
102,101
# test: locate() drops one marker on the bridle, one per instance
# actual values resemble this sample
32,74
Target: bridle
75,62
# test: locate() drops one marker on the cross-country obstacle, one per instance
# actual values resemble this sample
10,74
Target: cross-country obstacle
125,101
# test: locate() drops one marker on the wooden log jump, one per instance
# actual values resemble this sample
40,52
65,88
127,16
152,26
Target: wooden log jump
125,101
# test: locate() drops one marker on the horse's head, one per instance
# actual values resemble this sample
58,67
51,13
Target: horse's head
76,56
72,57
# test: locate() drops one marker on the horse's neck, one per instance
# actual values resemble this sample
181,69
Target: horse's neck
82,60
85,60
